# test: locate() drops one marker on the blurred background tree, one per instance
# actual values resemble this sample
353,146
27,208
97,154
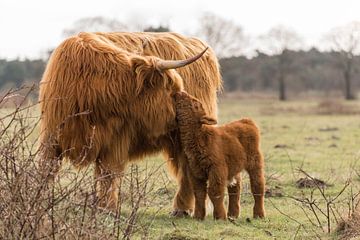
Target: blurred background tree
224,36
160,28
278,42
345,40
17,72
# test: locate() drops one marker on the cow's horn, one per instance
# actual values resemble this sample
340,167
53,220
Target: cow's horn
172,64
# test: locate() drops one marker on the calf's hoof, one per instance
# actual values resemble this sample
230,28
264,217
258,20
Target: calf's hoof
200,217
233,214
259,214
179,213
220,217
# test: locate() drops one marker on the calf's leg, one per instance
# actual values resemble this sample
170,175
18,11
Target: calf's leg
199,187
257,182
234,197
217,184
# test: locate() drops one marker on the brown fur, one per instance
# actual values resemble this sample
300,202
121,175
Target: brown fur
217,155
104,101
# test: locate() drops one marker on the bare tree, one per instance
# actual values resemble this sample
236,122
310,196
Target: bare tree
159,28
224,36
94,24
278,41
346,41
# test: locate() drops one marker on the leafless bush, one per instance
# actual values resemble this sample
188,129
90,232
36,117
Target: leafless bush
32,208
323,209
326,210
349,228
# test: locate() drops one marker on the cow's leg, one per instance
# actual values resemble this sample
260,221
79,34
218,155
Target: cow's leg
234,197
217,185
184,200
109,169
50,158
107,187
257,182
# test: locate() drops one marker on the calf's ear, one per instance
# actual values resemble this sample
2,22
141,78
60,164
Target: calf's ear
208,120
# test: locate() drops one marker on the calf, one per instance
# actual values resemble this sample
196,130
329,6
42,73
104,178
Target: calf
216,157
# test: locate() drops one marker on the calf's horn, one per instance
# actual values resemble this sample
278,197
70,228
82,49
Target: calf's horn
172,64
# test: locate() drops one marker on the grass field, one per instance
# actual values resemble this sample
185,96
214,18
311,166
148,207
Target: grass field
295,135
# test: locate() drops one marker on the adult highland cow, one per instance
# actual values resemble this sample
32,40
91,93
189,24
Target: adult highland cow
106,99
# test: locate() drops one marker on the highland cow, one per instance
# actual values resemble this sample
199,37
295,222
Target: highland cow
217,155
106,98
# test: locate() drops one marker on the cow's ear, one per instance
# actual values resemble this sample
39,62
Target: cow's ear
146,74
208,120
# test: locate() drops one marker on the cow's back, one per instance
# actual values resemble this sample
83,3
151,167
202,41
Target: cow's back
202,78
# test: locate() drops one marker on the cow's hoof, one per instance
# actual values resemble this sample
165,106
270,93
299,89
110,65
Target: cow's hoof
179,213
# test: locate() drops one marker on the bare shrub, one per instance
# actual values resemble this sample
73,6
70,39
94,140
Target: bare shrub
33,208
349,228
324,209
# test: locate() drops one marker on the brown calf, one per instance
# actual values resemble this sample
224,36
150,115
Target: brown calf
216,157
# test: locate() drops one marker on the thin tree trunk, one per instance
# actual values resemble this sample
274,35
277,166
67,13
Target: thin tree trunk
347,78
282,88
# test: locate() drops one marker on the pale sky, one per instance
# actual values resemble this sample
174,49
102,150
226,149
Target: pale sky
30,27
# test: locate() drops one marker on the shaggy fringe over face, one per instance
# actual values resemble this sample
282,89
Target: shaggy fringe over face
103,97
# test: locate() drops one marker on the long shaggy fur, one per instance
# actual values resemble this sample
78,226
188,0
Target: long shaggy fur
104,101
217,155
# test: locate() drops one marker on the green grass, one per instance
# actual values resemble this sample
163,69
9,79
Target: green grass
328,155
